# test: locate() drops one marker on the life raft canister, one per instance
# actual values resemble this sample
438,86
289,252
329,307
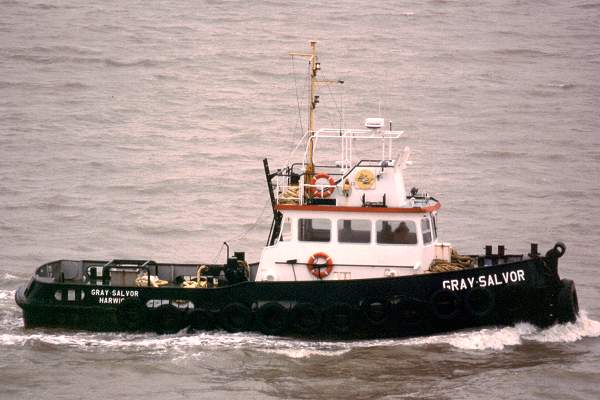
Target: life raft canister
320,271
324,192
365,179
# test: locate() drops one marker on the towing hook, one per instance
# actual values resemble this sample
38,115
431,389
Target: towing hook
560,249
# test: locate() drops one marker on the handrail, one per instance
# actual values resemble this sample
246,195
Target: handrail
360,164
333,133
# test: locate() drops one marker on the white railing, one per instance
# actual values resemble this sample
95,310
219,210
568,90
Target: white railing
295,194
347,137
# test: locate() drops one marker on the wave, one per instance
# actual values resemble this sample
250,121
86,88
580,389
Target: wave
587,6
137,63
565,86
47,59
18,85
167,77
168,230
500,338
7,294
499,154
184,345
524,52
8,283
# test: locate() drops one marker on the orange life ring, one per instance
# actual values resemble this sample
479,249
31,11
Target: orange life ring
325,192
319,272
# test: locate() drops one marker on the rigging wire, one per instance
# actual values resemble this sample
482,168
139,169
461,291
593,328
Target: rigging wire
260,216
299,106
243,234
297,97
337,107
309,99
287,162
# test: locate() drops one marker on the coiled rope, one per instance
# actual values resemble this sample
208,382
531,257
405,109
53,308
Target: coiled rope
201,282
457,262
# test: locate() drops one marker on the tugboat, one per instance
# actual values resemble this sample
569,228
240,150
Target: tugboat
350,255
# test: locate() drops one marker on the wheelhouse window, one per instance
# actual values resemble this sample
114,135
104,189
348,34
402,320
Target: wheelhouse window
434,222
396,232
426,229
286,230
354,231
314,230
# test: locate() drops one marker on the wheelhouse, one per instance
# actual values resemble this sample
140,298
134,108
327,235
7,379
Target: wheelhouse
353,214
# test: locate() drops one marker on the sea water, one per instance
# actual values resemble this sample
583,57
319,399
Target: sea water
137,130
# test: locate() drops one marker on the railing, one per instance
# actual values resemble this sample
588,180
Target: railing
347,138
289,186
296,193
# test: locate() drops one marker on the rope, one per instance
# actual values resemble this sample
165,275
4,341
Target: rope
218,254
287,162
457,262
291,195
142,281
199,282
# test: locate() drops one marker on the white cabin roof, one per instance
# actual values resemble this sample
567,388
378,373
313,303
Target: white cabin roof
343,180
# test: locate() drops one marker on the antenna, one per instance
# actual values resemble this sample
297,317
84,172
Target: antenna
312,104
315,66
341,109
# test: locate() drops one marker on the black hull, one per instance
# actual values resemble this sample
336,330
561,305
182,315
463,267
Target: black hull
528,290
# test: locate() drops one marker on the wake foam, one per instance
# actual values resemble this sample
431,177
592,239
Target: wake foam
568,333
499,338
8,280
6,295
183,346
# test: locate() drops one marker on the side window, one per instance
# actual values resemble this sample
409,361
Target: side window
314,230
354,231
426,229
434,221
286,231
396,232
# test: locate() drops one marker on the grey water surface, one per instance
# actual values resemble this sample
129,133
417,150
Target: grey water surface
137,129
